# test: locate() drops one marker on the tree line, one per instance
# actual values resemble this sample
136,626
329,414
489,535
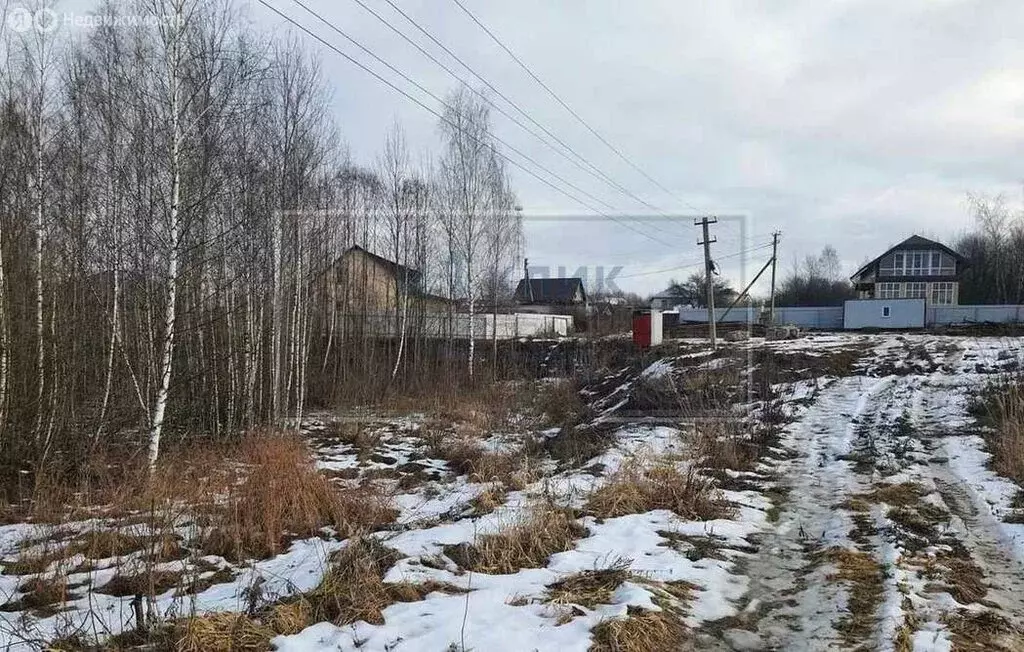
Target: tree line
994,252
174,198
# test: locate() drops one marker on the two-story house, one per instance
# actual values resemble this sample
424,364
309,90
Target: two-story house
917,268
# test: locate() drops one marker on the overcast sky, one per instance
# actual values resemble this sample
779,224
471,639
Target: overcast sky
851,123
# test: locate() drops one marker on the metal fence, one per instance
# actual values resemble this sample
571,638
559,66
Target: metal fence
950,315
826,317
735,316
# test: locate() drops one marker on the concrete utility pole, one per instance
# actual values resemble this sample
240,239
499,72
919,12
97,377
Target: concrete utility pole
526,277
775,257
708,265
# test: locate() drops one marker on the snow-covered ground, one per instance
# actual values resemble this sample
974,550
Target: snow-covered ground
870,520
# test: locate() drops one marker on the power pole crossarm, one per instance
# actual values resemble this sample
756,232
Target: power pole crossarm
705,222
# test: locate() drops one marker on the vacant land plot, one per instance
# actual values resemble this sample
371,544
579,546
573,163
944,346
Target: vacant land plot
832,492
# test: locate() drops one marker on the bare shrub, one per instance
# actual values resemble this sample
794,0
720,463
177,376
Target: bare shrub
634,490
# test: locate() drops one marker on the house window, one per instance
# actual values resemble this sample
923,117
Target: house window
886,311
887,290
918,263
915,290
942,293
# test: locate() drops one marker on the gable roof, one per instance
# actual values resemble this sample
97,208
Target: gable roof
397,269
913,243
549,290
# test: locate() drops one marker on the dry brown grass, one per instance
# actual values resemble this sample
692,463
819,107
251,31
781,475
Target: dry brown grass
281,497
655,394
561,405
1003,410
864,577
41,596
146,583
488,500
724,445
223,632
589,588
903,494
354,589
982,631
920,520
635,489
466,456
642,631
356,434
291,617
526,543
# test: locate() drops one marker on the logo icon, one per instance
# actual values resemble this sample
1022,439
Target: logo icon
20,19
46,20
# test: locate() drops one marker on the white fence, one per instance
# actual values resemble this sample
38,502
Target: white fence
810,317
862,314
735,316
950,315
824,317
485,326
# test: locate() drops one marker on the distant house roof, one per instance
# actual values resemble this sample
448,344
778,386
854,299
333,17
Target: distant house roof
399,270
551,291
913,243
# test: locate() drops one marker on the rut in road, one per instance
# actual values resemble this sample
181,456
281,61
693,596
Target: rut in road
859,434
791,603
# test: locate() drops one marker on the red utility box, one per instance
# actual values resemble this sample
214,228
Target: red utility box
642,328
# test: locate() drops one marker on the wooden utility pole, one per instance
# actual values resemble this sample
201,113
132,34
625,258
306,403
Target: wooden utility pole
704,222
775,257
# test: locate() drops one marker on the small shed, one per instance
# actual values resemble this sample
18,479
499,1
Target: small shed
883,313
647,328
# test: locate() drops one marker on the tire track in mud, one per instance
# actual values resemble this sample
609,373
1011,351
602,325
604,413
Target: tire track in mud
861,437
972,524
792,602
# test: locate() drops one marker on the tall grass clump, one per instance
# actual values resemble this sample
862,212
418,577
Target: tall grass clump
282,496
635,489
1001,408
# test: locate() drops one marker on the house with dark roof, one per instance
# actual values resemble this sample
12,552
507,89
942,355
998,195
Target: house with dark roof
550,295
917,268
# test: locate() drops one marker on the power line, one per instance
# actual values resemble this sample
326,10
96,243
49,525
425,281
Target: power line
579,160
441,117
567,107
695,264
433,96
